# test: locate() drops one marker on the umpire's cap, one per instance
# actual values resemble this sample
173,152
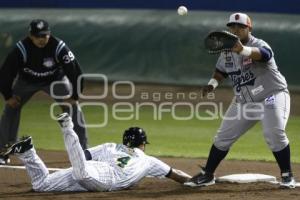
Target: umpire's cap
39,27
240,18
134,137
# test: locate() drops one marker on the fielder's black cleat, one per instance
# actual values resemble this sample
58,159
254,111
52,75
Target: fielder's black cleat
65,121
287,180
201,179
23,145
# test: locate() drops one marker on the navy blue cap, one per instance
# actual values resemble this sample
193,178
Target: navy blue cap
39,27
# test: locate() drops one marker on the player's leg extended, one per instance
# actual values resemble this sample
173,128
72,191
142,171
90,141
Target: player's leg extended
10,119
94,176
277,110
35,167
61,89
233,126
75,151
41,180
79,124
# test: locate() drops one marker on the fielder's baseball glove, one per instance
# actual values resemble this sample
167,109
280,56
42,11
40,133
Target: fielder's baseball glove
218,41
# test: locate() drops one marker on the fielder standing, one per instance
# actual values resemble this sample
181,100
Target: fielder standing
258,85
36,62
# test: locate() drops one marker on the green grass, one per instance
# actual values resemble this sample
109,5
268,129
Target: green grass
168,137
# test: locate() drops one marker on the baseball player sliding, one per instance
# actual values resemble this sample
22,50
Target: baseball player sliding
261,94
106,167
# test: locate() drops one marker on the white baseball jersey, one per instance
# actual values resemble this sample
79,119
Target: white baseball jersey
114,167
131,165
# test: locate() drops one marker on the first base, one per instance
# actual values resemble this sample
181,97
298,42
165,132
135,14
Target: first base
247,178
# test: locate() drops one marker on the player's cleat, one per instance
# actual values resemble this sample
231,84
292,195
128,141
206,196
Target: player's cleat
65,121
4,160
23,145
201,179
287,180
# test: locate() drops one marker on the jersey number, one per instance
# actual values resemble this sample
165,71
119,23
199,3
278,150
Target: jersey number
68,58
123,161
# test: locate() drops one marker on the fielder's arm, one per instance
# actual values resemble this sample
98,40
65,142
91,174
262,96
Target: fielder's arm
178,175
219,76
263,54
215,80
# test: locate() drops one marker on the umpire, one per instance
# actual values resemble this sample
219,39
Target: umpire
33,65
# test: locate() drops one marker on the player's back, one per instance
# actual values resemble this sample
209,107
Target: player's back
130,164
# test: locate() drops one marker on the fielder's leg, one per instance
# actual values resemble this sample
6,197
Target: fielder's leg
277,110
233,126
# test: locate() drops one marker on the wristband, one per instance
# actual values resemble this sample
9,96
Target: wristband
246,51
213,82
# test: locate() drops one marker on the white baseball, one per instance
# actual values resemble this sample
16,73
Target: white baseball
182,10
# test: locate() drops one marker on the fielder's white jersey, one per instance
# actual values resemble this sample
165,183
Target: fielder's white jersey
131,165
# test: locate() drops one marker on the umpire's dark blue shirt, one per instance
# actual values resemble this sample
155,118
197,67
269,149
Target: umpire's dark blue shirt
42,65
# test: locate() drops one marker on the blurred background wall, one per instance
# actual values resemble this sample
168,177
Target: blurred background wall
146,41
274,6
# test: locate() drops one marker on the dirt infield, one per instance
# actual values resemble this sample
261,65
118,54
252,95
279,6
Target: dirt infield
14,183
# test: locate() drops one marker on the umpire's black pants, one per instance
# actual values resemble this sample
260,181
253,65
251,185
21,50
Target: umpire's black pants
9,122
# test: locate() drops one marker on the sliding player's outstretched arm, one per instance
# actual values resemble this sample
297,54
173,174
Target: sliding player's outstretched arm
179,176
